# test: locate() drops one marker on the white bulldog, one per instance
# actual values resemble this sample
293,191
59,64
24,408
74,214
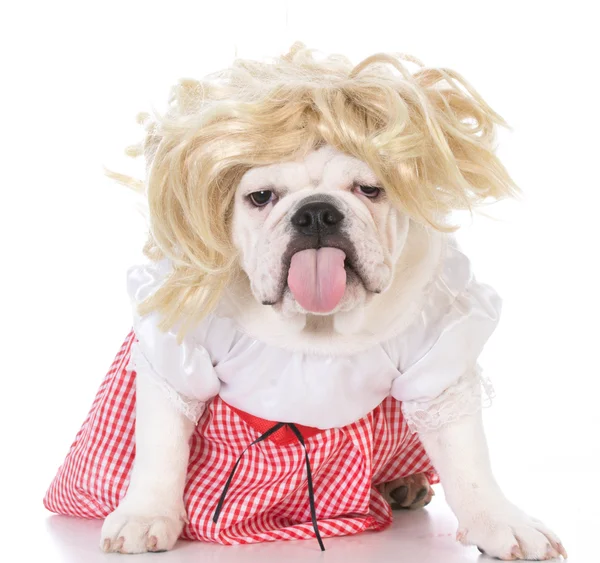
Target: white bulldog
329,265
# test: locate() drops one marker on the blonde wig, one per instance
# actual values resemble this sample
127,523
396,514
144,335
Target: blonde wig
426,134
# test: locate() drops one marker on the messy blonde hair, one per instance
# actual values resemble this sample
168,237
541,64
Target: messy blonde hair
426,134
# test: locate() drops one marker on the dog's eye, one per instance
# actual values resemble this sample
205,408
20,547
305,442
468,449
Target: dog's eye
260,199
369,191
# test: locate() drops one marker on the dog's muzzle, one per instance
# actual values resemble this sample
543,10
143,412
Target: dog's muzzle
317,255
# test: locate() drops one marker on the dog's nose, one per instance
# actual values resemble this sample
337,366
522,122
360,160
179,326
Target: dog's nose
316,218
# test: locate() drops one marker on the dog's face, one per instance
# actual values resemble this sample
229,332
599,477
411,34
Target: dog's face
317,235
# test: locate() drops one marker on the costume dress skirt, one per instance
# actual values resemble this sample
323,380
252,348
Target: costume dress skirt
267,499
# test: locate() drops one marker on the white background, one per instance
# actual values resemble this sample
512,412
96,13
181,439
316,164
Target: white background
75,74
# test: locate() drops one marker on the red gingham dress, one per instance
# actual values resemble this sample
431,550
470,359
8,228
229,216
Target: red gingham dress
268,497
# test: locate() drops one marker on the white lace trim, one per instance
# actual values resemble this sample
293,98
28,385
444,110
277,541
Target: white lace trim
468,395
190,408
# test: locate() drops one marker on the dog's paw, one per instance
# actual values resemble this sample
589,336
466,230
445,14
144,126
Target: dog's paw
508,534
127,531
410,492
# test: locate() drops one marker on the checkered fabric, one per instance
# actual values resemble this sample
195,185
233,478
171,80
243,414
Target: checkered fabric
268,497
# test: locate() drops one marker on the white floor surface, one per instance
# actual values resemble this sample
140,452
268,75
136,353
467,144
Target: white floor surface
424,536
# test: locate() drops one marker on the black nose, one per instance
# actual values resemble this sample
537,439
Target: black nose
317,218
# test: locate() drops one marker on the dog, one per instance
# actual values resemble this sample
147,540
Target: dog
303,270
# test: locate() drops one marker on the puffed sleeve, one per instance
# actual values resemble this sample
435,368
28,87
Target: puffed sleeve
440,379
185,371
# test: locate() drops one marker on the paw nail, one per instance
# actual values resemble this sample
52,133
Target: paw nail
106,545
516,552
460,535
560,548
152,542
119,544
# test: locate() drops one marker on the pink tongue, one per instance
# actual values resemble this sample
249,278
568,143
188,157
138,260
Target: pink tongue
317,278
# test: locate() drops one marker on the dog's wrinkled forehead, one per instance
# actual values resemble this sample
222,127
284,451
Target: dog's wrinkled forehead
325,168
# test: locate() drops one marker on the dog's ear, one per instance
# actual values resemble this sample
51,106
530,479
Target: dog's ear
189,194
468,126
431,137
190,189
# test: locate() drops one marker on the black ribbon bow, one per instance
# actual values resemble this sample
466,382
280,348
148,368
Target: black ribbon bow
311,494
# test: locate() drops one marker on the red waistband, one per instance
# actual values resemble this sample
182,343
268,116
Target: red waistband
283,435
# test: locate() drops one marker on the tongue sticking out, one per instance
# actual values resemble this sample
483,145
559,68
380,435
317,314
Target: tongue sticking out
317,279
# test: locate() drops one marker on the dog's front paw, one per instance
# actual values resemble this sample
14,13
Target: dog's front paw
508,533
127,530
